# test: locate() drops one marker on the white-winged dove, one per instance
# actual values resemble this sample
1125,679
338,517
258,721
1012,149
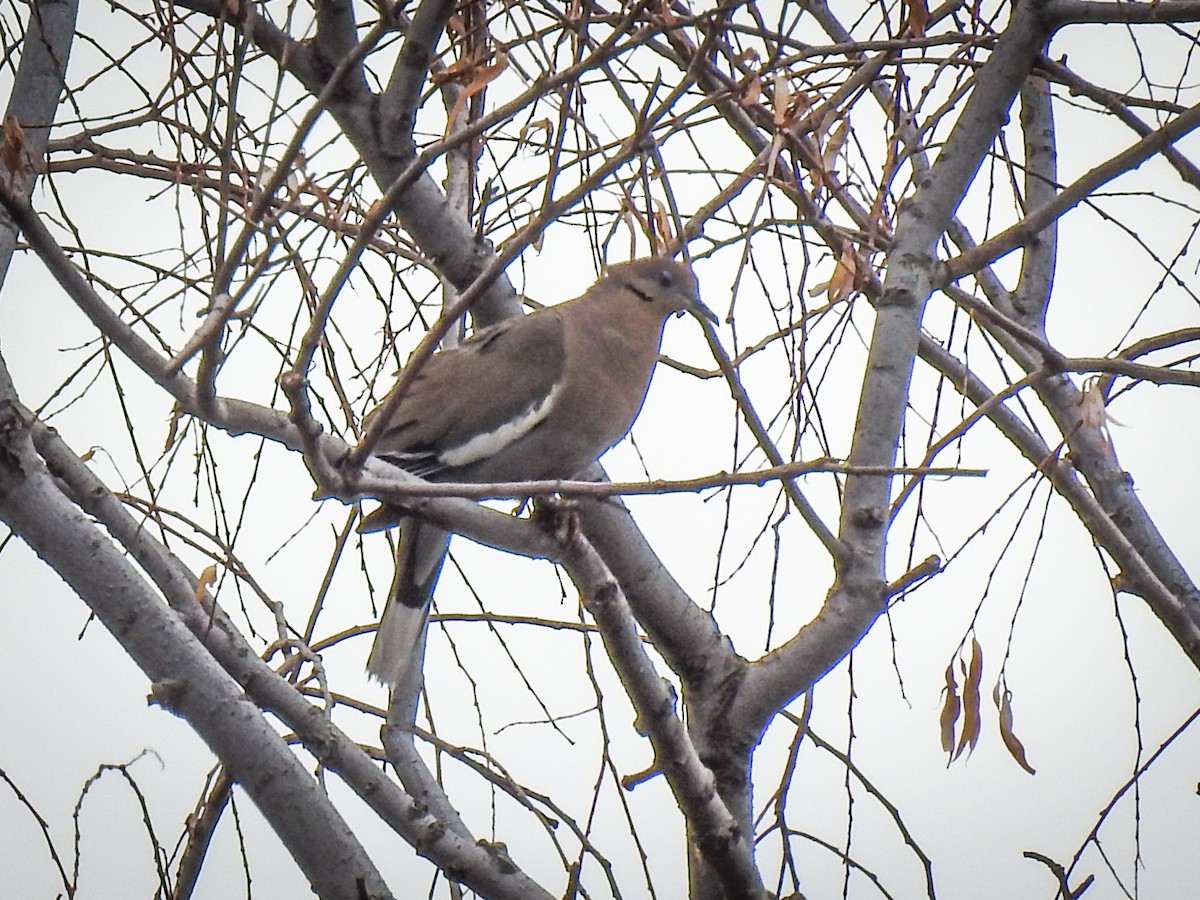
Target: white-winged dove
536,397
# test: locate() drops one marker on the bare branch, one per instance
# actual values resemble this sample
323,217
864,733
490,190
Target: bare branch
36,89
724,842
857,599
185,678
1034,223
522,490
209,625
1092,12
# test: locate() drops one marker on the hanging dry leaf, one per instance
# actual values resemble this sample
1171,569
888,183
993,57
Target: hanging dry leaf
485,74
205,581
801,106
845,276
524,138
783,97
461,71
971,703
1093,414
13,155
1003,700
878,214
172,428
833,146
661,223
479,77
918,17
951,707
819,174
752,91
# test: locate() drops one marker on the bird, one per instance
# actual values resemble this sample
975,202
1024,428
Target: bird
539,396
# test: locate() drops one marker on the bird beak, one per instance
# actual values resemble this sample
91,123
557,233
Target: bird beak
697,308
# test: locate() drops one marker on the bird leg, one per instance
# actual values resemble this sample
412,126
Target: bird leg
556,516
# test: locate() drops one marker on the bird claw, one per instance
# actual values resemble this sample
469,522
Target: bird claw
556,516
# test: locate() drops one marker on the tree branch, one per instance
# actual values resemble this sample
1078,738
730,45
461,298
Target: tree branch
444,846
720,837
1095,12
35,91
1035,222
185,678
856,599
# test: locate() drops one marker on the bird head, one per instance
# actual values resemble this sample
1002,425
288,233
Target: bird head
664,285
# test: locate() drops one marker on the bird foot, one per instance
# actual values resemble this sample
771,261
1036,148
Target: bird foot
557,517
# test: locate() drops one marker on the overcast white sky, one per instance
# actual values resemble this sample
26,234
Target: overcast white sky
76,703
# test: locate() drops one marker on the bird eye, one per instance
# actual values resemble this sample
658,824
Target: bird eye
665,279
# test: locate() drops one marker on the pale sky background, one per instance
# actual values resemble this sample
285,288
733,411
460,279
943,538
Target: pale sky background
74,704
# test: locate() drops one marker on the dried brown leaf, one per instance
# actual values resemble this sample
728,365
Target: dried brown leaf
477,77
845,274
460,70
486,74
918,17
542,125
172,428
783,96
1093,412
752,92
819,173
205,581
834,145
971,702
13,155
1003,698
950,709
660,221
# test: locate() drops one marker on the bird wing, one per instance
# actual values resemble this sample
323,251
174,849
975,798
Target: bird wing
470,401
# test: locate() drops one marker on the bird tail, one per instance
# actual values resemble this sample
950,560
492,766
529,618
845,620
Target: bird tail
419,557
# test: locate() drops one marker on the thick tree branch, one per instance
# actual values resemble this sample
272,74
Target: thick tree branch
1063,201
857,598
185,678
336,28
681,631
34,98
1038,263
421,827
399,101
724,840
1094,12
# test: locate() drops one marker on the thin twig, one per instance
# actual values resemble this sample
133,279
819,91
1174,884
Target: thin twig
503,490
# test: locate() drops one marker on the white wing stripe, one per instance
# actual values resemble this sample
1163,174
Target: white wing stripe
489,443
